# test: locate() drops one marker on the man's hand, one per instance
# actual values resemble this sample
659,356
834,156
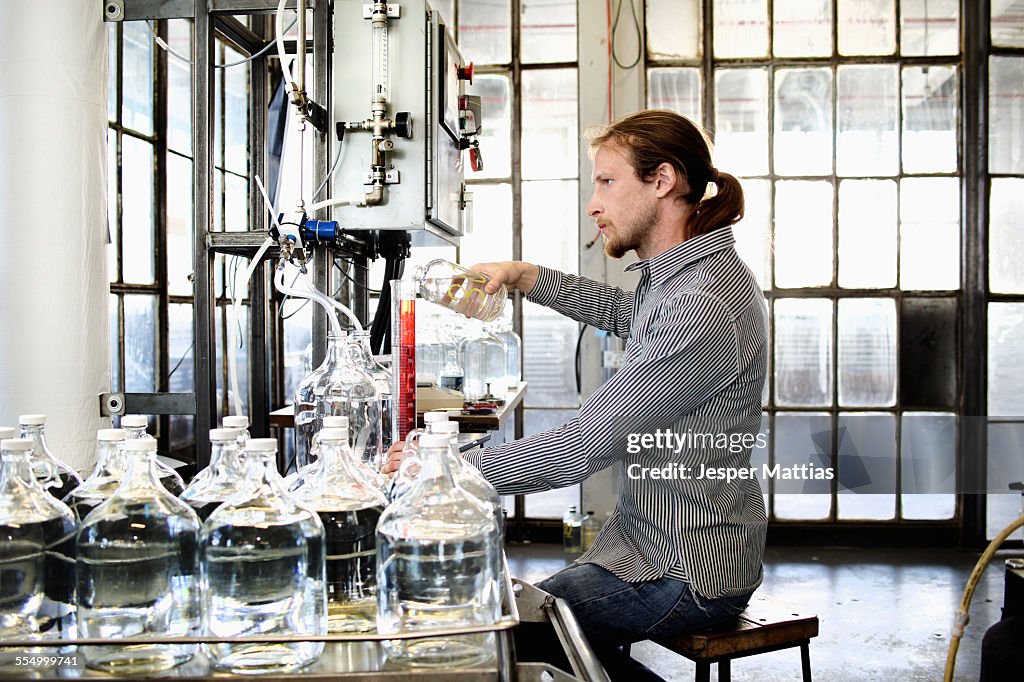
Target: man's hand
394,458
513,274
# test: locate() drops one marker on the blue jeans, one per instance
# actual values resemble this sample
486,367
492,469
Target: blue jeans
613,613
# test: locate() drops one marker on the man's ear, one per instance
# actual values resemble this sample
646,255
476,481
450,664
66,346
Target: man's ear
667,181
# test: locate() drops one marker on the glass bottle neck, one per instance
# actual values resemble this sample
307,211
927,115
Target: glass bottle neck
261,470
434,465
133,432
140,472
38,438
222,453
109,458
15,470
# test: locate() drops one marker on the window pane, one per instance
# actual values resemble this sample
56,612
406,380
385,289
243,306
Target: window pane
753,236
673,29
179,87
868,109
140,343
1006,115
803,352
1006,239
928,461
549,339
236,114
741,121
929,27
867,234
930,97
550,124
867,466
496,138
137,86
550,211
802,439
137,210
491,239
802,28
115,344
112,43
547,30
928,352
867,352
485,31
179,225
929,233
112,221
803,233
867,27
803,121
1005,466
236,203
217,225
676,89
1007,24
180,354
741,28
550,504
1005,359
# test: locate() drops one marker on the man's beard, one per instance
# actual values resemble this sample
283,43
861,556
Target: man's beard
630,235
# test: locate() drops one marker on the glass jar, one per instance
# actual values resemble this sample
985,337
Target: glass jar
135,426
437,567
349,507
37,551
308,399
363,355
105,478
460,289
403,479
263,573
572,531
138,569
222,478
452,375
352,392
486,364
467,476
514,352
57,477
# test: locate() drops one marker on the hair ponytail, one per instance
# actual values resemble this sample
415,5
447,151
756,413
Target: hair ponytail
721,210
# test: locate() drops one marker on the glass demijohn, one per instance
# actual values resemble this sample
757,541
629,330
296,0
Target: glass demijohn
137,567
222,478
37,543
58,478
351,392
308,400
349,505
437,567
135,426
263,572
106,477
460,289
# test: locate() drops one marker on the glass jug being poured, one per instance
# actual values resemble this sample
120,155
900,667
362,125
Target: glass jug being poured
460,289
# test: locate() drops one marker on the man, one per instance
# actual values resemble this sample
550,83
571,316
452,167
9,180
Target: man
683,548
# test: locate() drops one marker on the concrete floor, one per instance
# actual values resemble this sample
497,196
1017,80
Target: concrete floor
885,614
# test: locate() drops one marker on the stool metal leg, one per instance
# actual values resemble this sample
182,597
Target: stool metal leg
805,660
703,672
724,671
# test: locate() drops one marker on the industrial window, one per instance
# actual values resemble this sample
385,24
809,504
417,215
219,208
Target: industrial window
842,121
150,177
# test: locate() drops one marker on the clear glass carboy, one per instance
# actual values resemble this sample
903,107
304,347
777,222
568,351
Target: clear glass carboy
137,567
460,289
222,478
263,572
57,477
437,566
37,551
106,477
349,507
135,426
467,476
352,392
308,399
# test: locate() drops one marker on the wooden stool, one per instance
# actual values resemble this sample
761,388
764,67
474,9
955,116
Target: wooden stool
764,626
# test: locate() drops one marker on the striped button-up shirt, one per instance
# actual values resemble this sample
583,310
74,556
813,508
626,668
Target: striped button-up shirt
693,371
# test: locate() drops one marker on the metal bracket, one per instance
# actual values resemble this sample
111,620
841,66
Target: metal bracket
394,11
111,404
391,177
115,404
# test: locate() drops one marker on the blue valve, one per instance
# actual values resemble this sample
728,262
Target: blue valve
319,231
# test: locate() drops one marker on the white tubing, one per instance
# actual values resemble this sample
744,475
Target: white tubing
313,295
54,338
335,201
236,305
279,39
345,310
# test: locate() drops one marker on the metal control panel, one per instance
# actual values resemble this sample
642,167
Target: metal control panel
397,106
